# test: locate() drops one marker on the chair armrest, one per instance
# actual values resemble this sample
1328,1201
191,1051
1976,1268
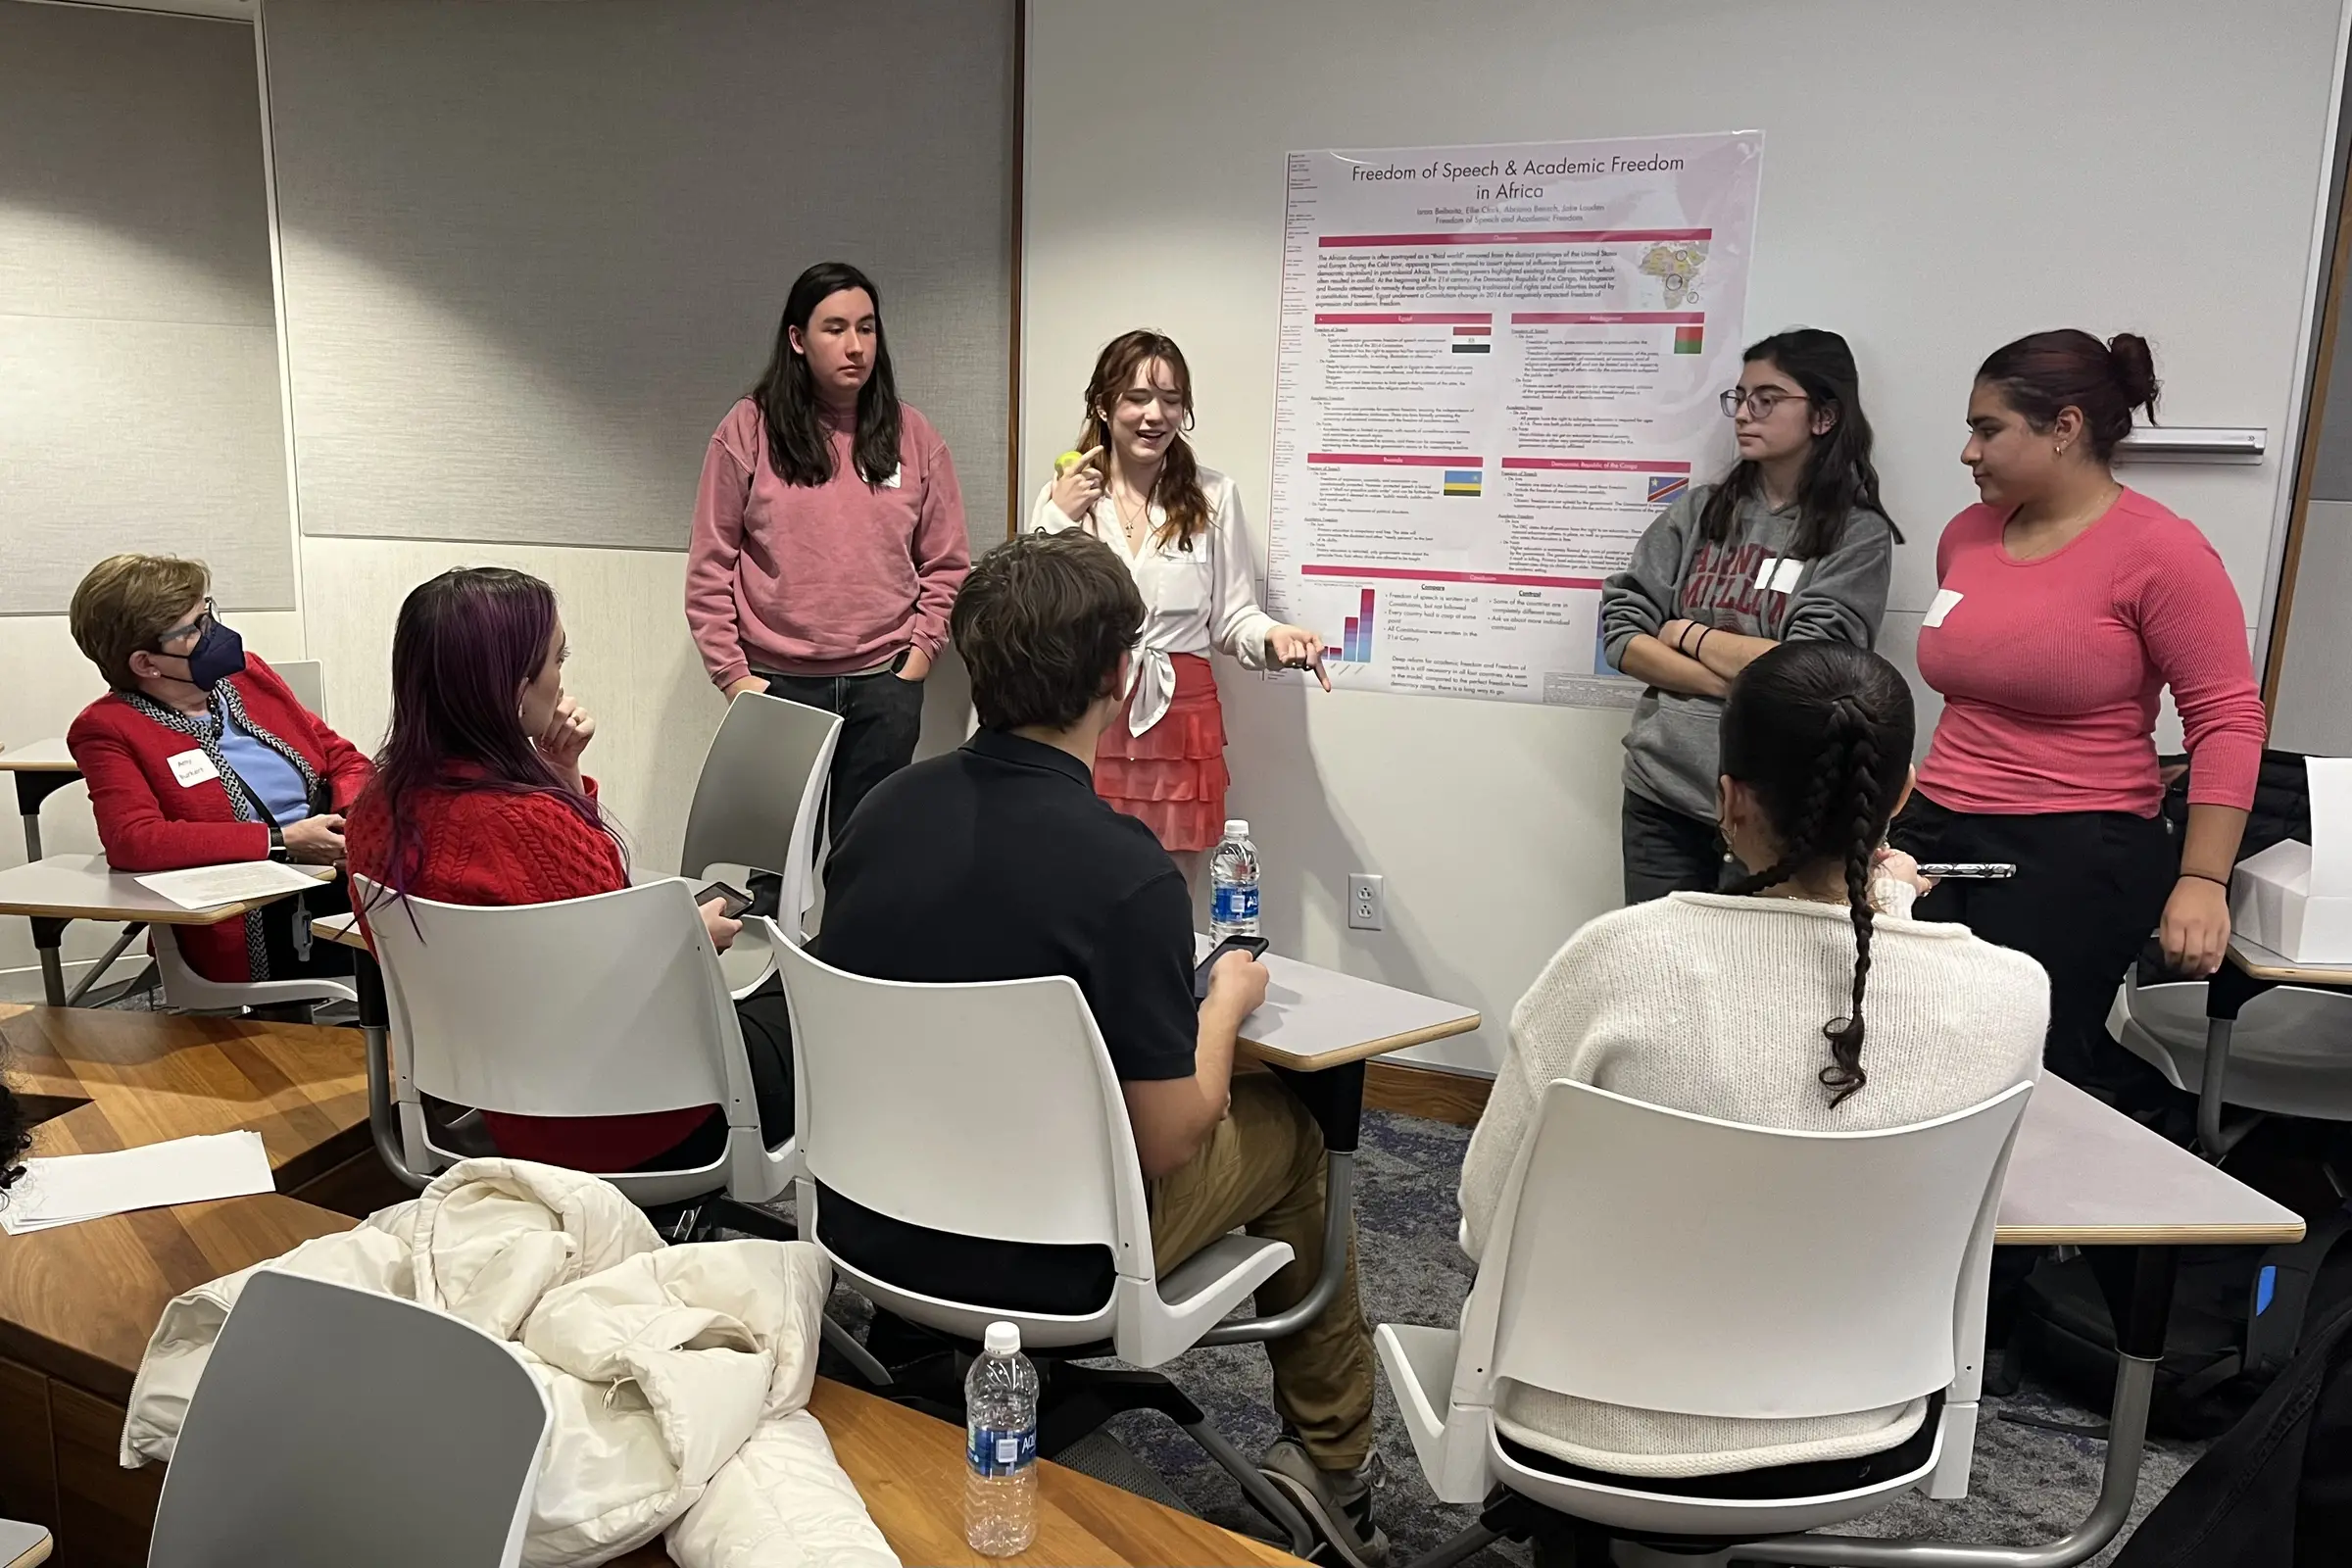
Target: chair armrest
1338,1211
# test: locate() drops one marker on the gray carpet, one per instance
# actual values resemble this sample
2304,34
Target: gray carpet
2029,1486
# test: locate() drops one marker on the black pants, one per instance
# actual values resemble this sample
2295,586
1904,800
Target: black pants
767,1043
294,955
2090,887
881,718
1666,851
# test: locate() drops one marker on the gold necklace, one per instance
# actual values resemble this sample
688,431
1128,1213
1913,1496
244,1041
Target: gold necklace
1135,529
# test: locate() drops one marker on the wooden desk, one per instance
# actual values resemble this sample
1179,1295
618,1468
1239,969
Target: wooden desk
2247,970
65,888
77,1302
1315,1018
42,769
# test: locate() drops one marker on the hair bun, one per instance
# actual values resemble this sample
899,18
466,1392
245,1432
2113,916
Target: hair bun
2135,369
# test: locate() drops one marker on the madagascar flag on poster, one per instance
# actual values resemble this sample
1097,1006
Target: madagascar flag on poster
1690,339
1464,481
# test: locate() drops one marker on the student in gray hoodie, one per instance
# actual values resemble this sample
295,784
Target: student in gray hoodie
1792,545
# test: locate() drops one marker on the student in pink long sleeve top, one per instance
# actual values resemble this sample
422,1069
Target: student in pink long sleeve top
828,535
2067,603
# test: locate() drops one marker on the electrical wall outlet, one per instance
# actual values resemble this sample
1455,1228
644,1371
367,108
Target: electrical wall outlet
1367,901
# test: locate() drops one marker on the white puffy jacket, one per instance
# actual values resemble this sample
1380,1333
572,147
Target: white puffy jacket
679,1376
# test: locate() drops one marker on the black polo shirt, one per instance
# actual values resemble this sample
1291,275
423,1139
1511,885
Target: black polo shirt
999,861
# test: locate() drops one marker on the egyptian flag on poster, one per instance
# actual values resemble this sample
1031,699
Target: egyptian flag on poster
1478,339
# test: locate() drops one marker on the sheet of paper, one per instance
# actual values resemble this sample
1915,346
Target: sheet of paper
67,1188
2331,825
201,887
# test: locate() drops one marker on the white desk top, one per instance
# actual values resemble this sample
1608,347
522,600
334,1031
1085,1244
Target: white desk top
1315,1018
343,930
2264,964
83,887
41,757
2084,1174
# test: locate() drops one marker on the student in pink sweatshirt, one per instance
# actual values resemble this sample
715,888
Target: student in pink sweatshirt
2066,605
828,535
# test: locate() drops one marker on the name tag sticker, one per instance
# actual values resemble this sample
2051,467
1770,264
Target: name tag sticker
891,483
192,769
1764,574
1785,575
1944,602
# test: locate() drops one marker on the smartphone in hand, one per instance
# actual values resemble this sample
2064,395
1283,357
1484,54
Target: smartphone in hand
733,900
1256,946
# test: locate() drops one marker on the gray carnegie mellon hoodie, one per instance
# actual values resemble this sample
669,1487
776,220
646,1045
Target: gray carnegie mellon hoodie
1670,753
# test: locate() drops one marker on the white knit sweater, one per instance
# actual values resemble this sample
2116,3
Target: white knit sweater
1714,1004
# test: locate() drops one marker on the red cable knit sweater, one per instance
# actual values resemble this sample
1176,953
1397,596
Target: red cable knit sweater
485,846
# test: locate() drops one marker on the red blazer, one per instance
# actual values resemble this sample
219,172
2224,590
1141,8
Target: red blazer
148,821
485,846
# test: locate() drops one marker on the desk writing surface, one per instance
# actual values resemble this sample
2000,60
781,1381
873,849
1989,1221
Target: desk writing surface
79,1302
2264,964
2084,1174
41,757
1315,1017
343,930
84,887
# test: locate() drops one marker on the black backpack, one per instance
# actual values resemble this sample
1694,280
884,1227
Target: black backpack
2276,1491
2238,1317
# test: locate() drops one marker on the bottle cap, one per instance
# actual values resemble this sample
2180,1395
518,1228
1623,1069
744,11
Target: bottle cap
1003,1339
1236,829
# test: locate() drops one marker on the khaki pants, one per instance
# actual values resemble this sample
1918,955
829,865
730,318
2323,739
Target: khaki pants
1262,1169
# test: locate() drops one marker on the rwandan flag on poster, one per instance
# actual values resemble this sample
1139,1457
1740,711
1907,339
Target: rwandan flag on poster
1464,481
1667,486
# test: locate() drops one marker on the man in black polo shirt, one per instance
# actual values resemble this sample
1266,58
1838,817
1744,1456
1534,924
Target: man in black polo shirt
999,861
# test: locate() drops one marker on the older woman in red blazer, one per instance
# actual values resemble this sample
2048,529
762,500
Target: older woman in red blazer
201,756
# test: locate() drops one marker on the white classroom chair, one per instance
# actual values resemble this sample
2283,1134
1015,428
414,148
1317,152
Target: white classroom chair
758,805
306,678
1661,1260
337,1428
186,991
991,1110
608,1006
2290,1050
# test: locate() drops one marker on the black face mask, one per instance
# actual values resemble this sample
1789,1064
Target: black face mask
218,654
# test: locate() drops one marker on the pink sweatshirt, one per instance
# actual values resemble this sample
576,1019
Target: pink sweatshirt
824,580
2051,668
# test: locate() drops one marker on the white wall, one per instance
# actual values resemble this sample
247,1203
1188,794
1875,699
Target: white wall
138,361
1935,182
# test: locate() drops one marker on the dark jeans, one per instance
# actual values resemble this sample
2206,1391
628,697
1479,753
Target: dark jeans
881,718
768,1044
1666,851
2090,887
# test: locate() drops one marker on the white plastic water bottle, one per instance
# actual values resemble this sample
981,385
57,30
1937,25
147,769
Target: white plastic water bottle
1233,884
1000,1449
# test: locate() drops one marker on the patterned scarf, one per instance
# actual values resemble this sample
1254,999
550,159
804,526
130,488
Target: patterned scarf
206,733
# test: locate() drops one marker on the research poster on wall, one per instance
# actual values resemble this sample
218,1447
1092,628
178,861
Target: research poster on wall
1498,365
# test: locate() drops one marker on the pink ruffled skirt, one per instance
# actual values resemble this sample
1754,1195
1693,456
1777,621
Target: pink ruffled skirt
1173,776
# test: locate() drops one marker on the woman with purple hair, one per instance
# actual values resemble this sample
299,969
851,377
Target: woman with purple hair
479,798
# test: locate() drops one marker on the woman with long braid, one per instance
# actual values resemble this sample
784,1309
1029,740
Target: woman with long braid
1750,1005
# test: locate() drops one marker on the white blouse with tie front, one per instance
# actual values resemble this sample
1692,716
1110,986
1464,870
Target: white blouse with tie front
1194,600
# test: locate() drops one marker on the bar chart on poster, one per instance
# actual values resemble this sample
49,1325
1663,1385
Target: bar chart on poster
1498,365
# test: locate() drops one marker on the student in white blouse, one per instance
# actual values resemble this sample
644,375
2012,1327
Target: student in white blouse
1178,526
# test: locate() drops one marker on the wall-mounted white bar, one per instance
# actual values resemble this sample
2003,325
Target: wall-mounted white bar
2180,443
